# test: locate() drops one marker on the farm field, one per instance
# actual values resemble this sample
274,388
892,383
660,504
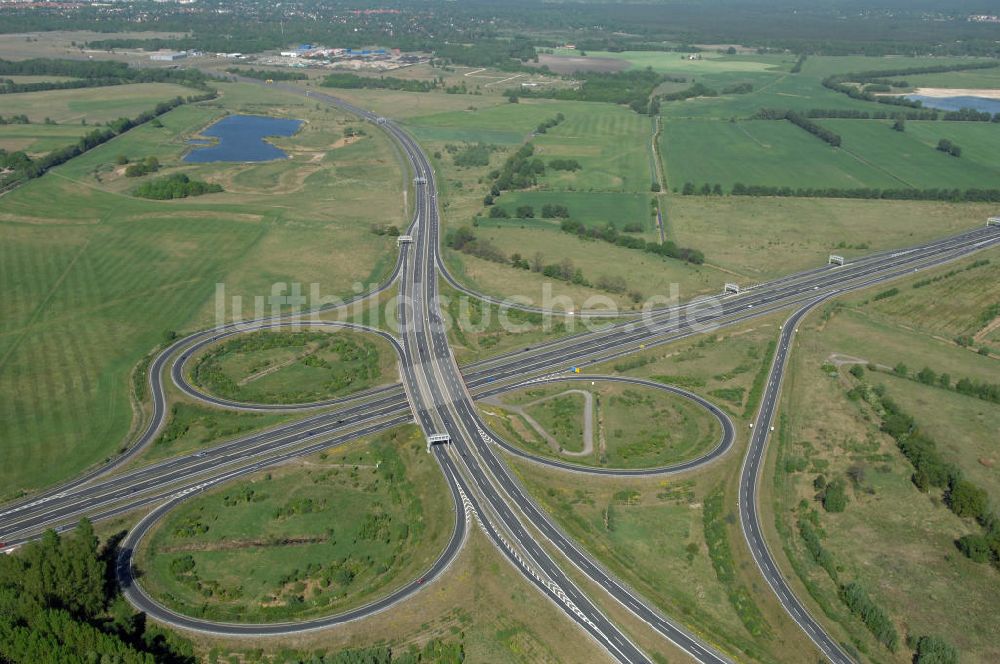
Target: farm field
909,564
92,105
777,153
311,538
295,367
631,426
760,152
98,278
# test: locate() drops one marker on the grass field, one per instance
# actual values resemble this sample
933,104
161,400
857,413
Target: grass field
96,277
37,139
633,427
908,561
295,367
592,208
761,238
310,538
92,105
644,273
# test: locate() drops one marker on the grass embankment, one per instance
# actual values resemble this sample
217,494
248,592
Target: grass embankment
96,277
310,538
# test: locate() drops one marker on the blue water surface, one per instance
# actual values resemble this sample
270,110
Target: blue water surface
981,104
241,138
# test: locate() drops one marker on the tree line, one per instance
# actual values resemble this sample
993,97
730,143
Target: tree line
800,121
609,233
353,81
930,470
908,194
92,74
273,74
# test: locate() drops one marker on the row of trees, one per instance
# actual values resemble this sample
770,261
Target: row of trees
951,195
550,123
609,233
964,497
353,82
272,74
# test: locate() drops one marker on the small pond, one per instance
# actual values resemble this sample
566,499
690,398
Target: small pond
981,104
241,138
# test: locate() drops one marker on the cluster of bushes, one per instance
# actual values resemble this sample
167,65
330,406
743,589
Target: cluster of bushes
465,240
33,168
696,90
385,229
520,171
963,497
177,185
952,195
353,81
471,154
609,233
272,74
564,164
797,67
738,89
137,169
950,273
946,146
550,123
60,602
21,119
630,88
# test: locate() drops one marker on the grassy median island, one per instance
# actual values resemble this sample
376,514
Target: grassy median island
310,538
294,367
608,424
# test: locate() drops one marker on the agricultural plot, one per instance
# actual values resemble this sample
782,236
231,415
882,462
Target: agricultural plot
873,155
763,152
311,538
97,277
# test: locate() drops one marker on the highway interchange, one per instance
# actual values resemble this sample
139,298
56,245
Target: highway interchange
440,397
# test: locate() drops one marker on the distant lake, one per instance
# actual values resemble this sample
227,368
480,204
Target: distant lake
981,104
241,138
